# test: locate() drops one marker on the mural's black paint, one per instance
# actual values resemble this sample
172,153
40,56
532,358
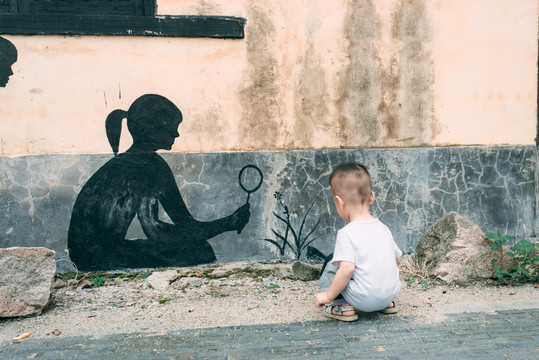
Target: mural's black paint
193,26
8,56
110,17
292,237
247,184
79,7
134,183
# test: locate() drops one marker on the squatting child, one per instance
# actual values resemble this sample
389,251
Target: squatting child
363,273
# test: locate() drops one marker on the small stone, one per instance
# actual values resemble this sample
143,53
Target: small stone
306,272
160,280
279,275
188,283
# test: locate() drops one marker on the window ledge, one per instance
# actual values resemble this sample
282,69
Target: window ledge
223,27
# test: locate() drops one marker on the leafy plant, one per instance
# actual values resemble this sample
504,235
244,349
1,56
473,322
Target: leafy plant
525,255
98,280
293,238
410,281
273,286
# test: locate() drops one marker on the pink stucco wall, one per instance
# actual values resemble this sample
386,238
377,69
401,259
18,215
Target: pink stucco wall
308,75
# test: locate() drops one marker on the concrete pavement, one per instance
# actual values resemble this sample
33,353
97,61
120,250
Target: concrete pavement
498,335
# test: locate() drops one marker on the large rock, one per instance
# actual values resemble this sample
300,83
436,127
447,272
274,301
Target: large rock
455,250
26,278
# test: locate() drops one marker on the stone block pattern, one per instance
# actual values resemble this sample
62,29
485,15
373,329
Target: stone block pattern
493,187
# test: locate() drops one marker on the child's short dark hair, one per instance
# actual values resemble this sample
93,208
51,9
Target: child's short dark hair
351,181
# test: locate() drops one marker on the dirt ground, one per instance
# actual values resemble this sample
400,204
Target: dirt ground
232,295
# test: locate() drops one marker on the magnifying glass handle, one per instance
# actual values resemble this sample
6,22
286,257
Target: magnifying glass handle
247,202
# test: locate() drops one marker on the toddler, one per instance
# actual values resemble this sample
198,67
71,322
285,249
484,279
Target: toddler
363,273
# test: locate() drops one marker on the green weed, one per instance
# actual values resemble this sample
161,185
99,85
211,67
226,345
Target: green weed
98,280
525,256
273,286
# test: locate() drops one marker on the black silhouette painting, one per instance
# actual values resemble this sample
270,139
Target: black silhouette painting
135,183
8,57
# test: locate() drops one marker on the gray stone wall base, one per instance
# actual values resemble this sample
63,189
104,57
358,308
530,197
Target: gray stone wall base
494,187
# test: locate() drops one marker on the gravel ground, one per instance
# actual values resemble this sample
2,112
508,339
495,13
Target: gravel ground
269,293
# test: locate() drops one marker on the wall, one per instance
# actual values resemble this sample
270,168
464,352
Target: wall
424,92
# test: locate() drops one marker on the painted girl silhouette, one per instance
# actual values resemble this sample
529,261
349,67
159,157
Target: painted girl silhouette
8,56
133,184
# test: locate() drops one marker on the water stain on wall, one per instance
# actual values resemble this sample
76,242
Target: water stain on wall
386,89
412,28
208,127
357,119
310,102
260,97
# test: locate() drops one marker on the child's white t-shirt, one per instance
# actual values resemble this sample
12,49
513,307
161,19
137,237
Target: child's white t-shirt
370,246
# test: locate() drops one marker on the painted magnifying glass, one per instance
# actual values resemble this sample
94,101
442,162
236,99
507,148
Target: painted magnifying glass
248,179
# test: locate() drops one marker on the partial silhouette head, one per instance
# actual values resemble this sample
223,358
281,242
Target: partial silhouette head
8,56
152,121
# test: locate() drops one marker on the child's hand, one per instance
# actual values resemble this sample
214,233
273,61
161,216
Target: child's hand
322,299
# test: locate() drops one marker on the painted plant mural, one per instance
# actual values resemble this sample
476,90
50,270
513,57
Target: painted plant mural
135,183
8,57
296,238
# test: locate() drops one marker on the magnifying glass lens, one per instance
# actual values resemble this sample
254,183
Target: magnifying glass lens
250,179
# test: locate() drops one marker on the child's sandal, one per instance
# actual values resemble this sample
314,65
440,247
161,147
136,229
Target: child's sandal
339,309
389,310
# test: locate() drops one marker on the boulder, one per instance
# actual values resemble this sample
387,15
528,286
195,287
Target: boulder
26,280
455,250
306,272
160,280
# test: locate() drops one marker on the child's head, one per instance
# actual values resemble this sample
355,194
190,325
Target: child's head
352,183
8,56
151,119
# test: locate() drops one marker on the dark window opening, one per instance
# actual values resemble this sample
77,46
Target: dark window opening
79,7
109,17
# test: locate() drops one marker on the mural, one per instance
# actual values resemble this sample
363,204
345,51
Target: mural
250,179
297,239
136,183
8,57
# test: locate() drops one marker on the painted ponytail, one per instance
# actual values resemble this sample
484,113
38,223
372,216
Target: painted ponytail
113,127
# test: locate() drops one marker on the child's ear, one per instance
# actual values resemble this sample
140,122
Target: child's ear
371,200
339,201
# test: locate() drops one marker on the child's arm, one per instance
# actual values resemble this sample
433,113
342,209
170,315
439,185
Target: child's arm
341,279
